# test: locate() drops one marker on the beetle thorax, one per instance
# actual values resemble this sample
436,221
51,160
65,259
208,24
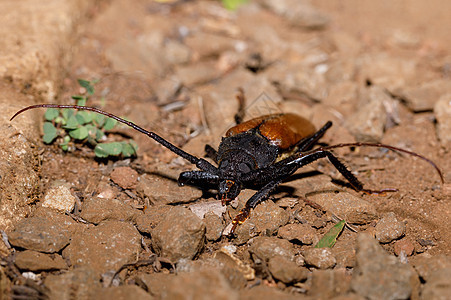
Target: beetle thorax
244,152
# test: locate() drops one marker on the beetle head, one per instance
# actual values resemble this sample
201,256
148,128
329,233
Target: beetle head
228,190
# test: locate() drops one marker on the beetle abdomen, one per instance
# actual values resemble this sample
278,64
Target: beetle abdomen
282,130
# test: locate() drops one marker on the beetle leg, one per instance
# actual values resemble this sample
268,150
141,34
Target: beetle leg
308,143
258,197
211,153
198,178
319,153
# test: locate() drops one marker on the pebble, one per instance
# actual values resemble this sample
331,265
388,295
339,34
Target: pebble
59,198
425,96
299,13
389,228
268,217
214,226
346,206
367,123
34,261
302,233
121,293
179,235
395,280
286,270
442,112
155,283
79,283
40,234
320,258
426,265
438,286
264,248
328,284
159,190
203,284
125,177
405,245
96,210
105,247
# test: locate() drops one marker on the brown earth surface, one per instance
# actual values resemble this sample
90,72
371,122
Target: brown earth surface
379,70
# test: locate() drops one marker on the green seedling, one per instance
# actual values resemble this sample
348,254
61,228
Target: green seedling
69,126
329,239
233,4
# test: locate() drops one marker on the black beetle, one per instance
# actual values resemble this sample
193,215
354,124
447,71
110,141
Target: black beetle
260,152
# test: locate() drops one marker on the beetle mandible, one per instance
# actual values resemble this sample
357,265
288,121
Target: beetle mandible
260,152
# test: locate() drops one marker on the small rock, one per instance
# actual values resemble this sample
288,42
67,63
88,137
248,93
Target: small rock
266,292
125,177
367,124
328,284
155,283
214,226
232,261
36,261
320,258
152,216
264,248
438,286
389,228
346,206
425,96
426,265
286,270
207,45
40,234
122,292
442,112
179,235
268,217
105,247
404,245
176,52
79,283
200,209
160,190
303,233
198,73
395,280
299,13
96,210
59,198
199,285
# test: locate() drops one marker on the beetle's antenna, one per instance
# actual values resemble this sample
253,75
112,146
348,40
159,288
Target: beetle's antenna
199,162
396,149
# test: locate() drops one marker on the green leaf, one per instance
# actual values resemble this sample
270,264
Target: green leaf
77,97
99,119
129,149
329,239
51,114
50,132
87,85
233,4
109,124
79,133
65,144
108,149
99,134
84,117
67,113
82,101
71,123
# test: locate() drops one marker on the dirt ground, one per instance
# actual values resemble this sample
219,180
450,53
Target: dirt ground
379,70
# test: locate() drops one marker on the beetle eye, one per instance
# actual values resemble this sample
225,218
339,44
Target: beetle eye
244,168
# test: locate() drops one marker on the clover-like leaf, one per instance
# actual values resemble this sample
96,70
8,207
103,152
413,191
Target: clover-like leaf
87,85
51,114
109,124
79,134
108,149
50,132
129,148
71,123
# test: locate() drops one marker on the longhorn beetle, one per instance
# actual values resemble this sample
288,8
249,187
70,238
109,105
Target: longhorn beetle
260,152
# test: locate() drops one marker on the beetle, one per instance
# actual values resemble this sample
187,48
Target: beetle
261,152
